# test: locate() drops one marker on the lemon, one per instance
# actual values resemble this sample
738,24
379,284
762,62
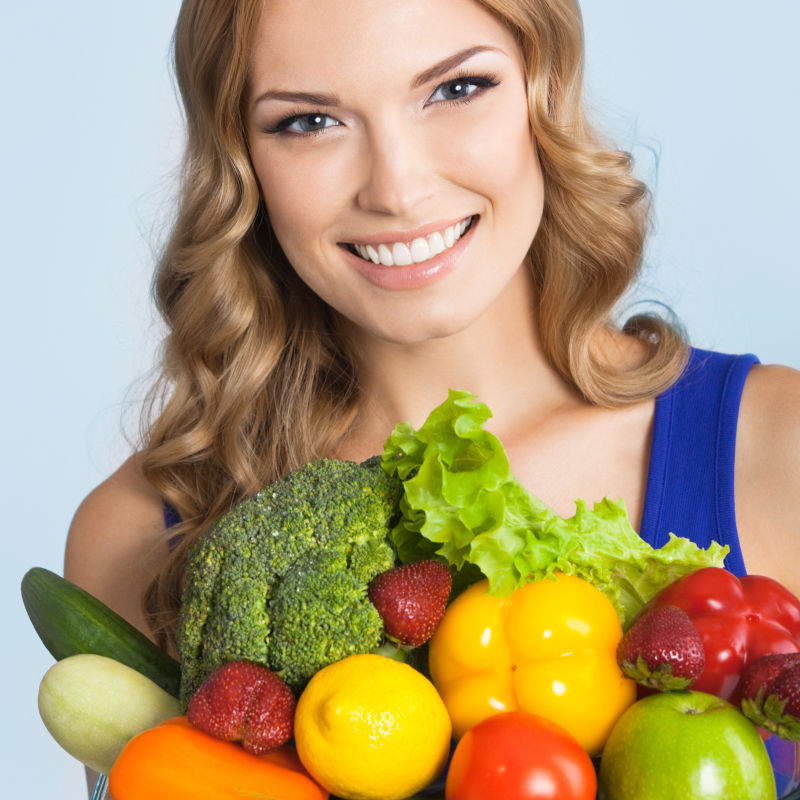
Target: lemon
370,727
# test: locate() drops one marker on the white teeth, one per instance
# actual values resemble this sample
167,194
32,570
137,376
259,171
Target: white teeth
385,255
421,249
401,254
436,243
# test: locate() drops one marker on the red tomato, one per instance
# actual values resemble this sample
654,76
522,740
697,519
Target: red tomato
519,756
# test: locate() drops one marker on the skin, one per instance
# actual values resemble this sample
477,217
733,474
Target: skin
397,160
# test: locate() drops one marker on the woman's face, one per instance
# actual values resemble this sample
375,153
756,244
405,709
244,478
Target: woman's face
396,132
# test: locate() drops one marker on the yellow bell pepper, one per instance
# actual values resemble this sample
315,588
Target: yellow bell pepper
548,649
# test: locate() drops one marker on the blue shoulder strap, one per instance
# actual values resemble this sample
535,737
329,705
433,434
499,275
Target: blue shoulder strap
690,479
171,519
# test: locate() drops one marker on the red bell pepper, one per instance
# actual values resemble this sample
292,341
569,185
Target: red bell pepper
738,619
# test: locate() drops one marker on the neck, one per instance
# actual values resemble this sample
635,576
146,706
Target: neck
498,358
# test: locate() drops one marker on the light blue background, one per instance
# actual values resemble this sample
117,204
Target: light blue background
90,137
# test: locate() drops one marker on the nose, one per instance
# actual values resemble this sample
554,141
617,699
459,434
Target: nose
397,173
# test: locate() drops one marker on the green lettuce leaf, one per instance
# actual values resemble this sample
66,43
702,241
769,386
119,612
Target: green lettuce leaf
463,505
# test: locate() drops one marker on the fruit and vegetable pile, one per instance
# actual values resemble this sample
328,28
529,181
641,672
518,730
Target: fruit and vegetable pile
421,625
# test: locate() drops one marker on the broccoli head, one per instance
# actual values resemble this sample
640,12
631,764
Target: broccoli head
321,613
282,579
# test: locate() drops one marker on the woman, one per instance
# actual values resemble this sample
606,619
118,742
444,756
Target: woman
384,200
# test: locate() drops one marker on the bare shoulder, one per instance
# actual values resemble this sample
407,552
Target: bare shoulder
767,477
768,436
116,540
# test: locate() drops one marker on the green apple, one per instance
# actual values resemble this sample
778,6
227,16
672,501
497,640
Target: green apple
687,745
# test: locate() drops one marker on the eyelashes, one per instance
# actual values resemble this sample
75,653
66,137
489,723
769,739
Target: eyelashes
460,89
308,123
459,85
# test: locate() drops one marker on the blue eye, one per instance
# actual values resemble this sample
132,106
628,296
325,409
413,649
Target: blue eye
455,90
305,123
460,89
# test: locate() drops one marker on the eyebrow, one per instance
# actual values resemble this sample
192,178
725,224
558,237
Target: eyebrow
451,62
312,98
426,76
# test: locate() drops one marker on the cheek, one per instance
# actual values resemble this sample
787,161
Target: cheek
515,165
301,198
497,155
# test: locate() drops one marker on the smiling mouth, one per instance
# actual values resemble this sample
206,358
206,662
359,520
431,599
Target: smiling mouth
401,254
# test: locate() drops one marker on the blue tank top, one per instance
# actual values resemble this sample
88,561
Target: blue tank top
690,480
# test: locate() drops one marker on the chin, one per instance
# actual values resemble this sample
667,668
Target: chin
421,327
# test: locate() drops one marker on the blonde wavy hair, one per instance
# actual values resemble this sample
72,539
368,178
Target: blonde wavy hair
255,380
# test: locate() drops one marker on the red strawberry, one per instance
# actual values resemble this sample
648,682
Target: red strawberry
770,690
247,703
763,671
662,650
411,600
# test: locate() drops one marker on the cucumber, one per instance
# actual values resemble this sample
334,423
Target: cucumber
69,621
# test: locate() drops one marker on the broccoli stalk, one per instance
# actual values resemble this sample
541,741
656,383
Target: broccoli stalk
282,579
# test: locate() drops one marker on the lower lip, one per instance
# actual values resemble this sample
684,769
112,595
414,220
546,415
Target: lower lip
413,276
